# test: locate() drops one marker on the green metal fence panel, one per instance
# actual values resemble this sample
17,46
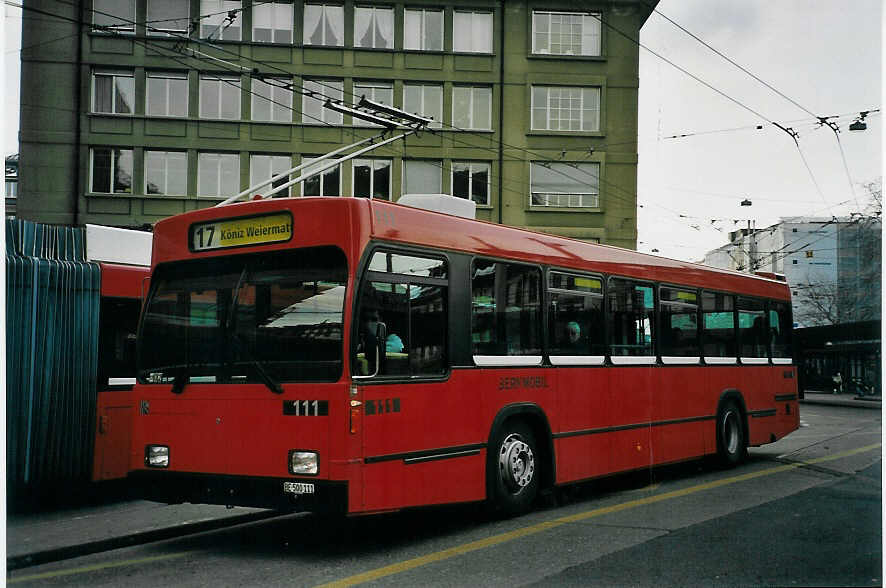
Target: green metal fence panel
52,317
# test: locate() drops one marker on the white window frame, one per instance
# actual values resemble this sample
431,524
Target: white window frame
92,151
471,165
372,161
280,12
221,82
307,168
423,111
588,19
161,25
219,159
556,93
127,24
480,31
306,40
375,88
333,89
373,17
587,200
280,163
214,20
423,14
472,124
433,162
165,159
166,77
115,76
279,100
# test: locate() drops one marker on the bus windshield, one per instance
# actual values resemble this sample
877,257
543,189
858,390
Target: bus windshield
262,318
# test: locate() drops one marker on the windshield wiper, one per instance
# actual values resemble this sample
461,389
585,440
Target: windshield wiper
266,378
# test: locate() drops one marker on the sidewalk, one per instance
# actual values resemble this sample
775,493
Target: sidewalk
828,398
41,537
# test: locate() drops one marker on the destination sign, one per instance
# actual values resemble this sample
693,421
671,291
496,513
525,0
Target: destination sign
241,232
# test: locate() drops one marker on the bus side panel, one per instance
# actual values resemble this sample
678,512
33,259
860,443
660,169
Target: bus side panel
113,434
679,403
583,450
631,411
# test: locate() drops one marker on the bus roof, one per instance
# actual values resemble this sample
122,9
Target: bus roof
351,223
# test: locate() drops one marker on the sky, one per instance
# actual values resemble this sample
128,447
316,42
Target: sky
821,58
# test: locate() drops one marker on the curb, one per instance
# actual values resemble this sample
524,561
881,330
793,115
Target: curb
61,553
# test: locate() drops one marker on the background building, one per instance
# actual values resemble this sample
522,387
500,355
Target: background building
832,265
11,184
140,109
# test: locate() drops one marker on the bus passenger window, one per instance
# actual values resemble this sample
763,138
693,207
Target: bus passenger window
631,316
505,310
407,295
718,311
780,323
753,333
575,319
679,323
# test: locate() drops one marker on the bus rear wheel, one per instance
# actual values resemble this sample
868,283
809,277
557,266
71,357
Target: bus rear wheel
732,446
513,469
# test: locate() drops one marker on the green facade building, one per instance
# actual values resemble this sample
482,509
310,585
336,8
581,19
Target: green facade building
134,110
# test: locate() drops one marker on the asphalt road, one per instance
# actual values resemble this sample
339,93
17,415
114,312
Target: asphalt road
803,511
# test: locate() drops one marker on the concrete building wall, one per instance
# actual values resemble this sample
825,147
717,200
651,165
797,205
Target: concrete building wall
61,127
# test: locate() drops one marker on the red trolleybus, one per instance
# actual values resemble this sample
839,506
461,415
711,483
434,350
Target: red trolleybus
361,356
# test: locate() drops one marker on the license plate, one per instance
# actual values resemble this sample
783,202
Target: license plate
298,488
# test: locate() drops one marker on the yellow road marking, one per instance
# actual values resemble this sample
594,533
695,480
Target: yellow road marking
96,567
430,558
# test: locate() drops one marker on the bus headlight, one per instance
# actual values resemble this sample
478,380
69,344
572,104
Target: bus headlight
303,462
157,456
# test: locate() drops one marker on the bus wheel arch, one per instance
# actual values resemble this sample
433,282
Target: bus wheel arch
731,431
519,439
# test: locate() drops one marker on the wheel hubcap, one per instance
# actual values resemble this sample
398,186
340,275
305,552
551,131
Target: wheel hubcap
731,435
516,463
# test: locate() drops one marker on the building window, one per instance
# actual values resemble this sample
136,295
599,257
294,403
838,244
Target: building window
324,25
374,27
218,174
424,100
372,178
313,111
272,100
219,97
326,183
472,107
111,170
11,189
272,22
168,17
265,167
116,15
382,92
422,177
166,172
167,94
565,33
472,32
470,180
423,29
113,92
566,185
556,108
221,19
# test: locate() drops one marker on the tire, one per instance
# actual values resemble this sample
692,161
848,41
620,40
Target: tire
732,447
513,469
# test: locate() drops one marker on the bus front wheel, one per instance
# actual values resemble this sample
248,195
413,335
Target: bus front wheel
732,446
513,469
